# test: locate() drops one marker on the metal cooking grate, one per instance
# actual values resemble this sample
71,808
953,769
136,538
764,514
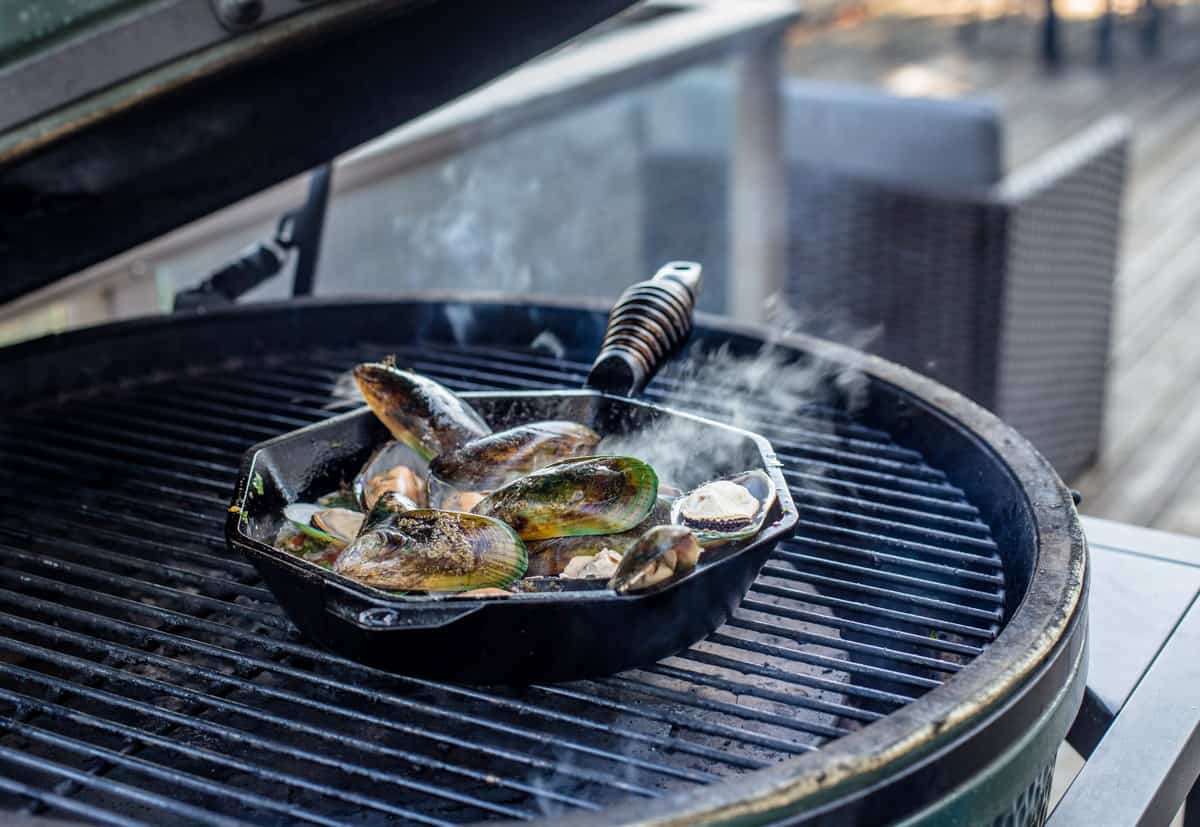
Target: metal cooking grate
145,674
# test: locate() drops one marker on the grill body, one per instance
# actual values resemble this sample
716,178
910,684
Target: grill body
915,653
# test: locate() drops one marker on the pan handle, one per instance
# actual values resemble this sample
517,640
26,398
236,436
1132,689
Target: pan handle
648,324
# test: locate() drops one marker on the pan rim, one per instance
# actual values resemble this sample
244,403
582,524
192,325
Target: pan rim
772,533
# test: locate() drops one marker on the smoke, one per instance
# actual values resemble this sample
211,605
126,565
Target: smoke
546,208
757,391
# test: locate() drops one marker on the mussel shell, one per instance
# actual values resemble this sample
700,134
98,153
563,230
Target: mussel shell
586,495
340,523
497,459
300,515
293,540
429,550
389,506
662,554
760,487
549,557
451,499
371,481
419,412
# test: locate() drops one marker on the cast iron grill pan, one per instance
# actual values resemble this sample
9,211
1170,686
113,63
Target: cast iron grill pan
147,675
523,638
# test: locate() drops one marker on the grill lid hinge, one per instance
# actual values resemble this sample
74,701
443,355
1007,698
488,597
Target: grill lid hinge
299,229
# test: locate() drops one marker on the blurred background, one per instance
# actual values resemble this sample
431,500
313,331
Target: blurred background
1001,195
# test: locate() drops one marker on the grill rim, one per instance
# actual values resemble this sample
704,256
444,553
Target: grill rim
1046,631
1046,623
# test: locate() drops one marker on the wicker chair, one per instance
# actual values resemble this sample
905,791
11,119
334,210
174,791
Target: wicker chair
1001,290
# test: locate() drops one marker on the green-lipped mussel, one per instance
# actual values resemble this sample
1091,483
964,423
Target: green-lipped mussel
418,411
429,550
728,509
389,506
550,557
396,467
663,553
495,460
586,495
331,526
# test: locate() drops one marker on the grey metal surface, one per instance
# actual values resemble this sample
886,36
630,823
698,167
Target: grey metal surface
1144,583
1149,759
121,41
1145,589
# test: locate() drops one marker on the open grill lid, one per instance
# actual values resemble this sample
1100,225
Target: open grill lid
123,119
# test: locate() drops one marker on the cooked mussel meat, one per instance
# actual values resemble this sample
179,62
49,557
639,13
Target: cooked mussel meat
663,553
497,459
429,550
549,557
586,495
339,523
396,467
419,412
331,526
451,499
593,566
724,510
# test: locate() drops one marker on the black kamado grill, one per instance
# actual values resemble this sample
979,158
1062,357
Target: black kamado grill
914,655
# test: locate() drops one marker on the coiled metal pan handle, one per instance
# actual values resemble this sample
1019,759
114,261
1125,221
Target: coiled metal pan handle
649,323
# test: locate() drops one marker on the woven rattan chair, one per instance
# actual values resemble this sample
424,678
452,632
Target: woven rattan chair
1002,289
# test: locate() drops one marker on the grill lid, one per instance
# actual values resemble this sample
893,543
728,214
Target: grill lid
123,119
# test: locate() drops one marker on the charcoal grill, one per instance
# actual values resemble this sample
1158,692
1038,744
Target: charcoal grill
914,656
890,662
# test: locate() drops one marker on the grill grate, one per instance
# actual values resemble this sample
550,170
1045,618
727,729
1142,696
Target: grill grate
145,674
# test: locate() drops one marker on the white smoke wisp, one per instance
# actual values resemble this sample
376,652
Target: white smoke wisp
770,389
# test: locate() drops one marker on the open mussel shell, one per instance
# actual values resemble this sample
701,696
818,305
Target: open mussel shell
430,550
419,412
340,523
396,467
727,509
662,554
389,505
497,459
449,498
587,495
332,526
294,540
301,514
550,557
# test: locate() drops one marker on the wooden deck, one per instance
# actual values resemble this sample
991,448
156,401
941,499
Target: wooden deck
1149,473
